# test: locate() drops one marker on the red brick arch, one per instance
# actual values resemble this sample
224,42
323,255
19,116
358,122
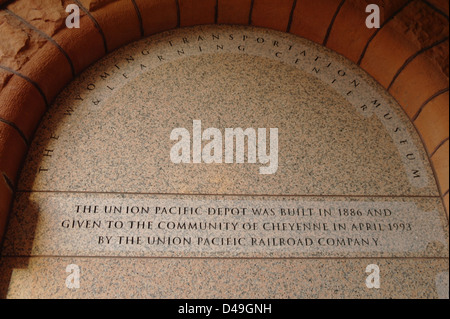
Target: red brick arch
39,56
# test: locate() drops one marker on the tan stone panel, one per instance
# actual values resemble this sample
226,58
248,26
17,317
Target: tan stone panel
22,104
432,122
157,15
234,11
374,171
272,14
42,277
440,162
195,12
52,224
12,151
311,19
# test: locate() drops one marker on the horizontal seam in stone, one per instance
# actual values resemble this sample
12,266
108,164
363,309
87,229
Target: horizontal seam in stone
28,80
366,47
96,24
445,194
291,16
330,27
16,128
230,195
45,36
412,57
422,107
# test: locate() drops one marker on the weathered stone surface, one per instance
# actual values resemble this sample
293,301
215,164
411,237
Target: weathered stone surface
17,44
13,40
4,78
415,28
46,15
421,25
